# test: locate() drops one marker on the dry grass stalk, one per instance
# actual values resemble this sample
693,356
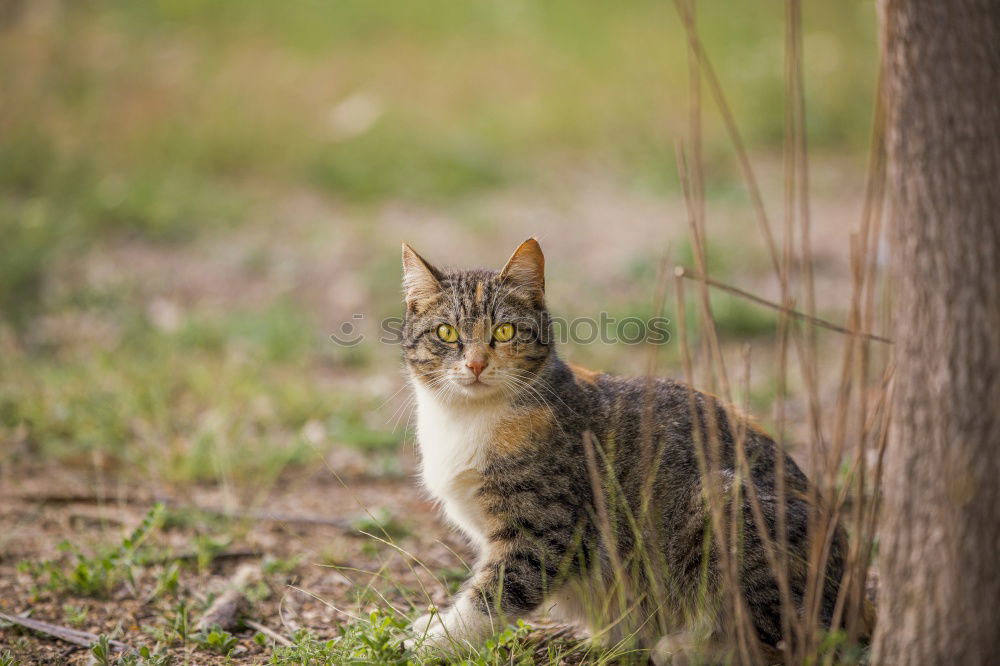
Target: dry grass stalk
682,271
856,392
715,87
267,631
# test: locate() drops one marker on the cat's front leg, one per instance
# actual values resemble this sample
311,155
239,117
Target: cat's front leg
506,586
461,627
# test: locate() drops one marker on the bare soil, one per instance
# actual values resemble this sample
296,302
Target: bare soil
336,573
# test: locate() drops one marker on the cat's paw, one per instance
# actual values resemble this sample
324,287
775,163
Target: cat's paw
672,651
424,631
432,633
423,623
688,647
460,629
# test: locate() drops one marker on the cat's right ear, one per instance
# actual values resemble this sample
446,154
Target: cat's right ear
420,279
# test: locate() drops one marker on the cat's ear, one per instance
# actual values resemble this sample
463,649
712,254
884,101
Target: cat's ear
420,279
526,267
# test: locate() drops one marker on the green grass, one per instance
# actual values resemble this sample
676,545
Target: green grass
378,640
168,120
104,655
223,396
216,640
94,575
162,119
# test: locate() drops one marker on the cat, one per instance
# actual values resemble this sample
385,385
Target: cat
511,439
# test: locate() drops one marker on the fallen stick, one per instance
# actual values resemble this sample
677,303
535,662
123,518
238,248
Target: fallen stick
267,631
105,519
254,514
63,498
74,636
227,606
186,557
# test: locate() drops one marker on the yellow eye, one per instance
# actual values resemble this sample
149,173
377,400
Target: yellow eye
503,332
447,333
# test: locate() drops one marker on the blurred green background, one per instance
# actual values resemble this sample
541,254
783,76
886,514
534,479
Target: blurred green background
195,193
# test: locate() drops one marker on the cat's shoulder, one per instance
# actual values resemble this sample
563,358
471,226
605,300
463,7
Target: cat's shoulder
630,387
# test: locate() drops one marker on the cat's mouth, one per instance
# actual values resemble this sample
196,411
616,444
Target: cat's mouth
476,386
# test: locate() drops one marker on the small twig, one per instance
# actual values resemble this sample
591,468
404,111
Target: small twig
81,498
226,607
270,633
74,636
680,271
102,519
273,516
224,555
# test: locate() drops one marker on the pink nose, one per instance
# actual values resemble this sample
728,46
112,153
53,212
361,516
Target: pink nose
477,365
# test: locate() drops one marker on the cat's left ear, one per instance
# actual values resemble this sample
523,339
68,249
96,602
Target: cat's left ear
526,267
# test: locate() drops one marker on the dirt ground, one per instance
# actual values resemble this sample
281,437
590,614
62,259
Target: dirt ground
352,532
330,573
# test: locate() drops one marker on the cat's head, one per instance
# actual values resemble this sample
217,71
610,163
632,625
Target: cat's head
476,335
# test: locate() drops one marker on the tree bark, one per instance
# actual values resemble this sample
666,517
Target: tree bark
940,527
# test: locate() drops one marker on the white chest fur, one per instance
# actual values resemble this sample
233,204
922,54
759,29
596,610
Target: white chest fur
453,441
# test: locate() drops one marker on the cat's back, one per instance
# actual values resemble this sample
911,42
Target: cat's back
625,408
632,411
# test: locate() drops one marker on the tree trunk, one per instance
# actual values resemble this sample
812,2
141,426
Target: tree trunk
940,527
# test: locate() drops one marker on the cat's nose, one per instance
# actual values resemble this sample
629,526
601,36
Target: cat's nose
477,365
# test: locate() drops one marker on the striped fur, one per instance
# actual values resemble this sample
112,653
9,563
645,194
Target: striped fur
507,460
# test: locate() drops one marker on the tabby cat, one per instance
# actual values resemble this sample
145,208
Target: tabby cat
512,441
